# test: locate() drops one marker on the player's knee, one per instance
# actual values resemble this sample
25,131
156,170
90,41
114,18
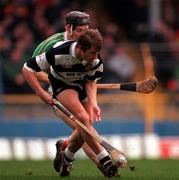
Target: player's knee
84,118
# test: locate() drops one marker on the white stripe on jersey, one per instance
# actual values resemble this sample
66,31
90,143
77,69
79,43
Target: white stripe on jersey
42,61
72,49
65,78
59,43
91,73
28,68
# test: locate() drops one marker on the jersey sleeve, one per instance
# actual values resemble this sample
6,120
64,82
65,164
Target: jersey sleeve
96,72
48,43
41,62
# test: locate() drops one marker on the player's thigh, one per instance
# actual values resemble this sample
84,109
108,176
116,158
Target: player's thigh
69,98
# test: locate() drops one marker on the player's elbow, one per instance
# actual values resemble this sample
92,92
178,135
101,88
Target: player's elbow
27,72
24,71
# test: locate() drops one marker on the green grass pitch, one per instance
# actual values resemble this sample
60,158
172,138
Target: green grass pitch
84,169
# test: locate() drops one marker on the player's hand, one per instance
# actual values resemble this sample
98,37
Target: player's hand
46,97
95,113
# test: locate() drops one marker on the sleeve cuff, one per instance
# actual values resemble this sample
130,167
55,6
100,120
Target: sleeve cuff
28,68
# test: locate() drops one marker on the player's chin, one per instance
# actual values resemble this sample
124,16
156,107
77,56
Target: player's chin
89,59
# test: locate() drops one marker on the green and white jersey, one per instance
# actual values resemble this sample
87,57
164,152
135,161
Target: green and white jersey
49,42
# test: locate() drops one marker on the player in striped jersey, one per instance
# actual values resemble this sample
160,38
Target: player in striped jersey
76,23
74,71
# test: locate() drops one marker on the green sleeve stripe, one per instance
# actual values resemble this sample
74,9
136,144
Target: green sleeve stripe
47,46
48,43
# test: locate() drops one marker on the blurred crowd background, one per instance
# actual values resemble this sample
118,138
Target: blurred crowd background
124,24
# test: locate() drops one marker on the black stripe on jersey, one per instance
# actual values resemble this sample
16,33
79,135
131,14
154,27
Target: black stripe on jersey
95,67
57,72
33,64
59,50
74,68
79,81
50,56
63,48
98,74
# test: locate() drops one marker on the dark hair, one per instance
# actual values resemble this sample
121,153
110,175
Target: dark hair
90,38
77,18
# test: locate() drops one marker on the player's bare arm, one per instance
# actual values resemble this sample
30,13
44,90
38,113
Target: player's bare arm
31,78
94,110
42,76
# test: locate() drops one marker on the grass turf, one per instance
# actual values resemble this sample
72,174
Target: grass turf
84,169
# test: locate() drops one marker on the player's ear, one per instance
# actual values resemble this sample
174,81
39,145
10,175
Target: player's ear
68,28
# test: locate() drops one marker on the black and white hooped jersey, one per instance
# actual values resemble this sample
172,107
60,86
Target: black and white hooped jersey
65,66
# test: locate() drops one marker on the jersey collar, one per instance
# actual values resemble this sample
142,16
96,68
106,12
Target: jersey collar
73,53
65,36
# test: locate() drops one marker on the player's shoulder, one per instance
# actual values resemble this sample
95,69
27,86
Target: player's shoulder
48,43
57,37
63,43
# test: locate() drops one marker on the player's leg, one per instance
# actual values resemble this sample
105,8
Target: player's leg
65,119
75,141
69,98
86,148
61,145
65,143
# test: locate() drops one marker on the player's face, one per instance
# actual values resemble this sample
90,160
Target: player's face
78,31
89,55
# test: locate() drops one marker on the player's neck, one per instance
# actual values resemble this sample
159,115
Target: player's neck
69,37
